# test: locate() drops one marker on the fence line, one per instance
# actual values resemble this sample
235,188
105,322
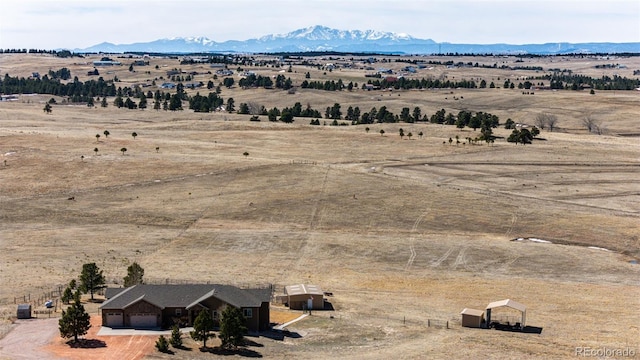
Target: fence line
35,299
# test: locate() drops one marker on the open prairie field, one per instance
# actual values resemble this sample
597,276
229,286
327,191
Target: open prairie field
403,231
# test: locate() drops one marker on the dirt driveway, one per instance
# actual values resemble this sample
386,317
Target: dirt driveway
39,339
27,339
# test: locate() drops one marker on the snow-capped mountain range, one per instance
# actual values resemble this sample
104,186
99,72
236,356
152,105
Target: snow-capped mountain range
322,38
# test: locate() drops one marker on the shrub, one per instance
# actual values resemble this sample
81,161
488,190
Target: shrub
162,344
176,337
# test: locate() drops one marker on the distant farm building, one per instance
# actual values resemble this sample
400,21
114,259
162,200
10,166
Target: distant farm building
24,311
224,72
106,63
472,318
304,297
9,97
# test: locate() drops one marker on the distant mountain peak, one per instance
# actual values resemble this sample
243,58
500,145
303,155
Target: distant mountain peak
324,33
323,38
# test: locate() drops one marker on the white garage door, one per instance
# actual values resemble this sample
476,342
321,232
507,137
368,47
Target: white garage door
143,320
114,320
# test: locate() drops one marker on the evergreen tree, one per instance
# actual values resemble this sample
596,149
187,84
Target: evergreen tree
104,103
162,345
175,103
202,327
230,105
75,321
118,102
67,295
176,337
244,108
232,327
130,104
142,104
287,116
91,279
417,113
134,275
47,108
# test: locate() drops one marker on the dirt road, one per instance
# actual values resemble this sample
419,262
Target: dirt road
27,339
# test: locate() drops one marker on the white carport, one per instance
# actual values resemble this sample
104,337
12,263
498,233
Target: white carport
510,304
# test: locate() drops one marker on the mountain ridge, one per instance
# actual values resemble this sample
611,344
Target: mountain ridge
322,38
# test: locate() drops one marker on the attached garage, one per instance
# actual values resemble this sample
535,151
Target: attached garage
113,319
143,320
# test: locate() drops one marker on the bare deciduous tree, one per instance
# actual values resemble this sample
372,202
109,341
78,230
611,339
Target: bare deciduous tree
546,120
592,124
541,121
254,108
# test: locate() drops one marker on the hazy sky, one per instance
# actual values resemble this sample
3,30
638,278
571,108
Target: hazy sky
52,24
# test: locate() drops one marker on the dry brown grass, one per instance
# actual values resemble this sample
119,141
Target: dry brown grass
401,231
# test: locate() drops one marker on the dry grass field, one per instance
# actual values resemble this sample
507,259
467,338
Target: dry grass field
402,231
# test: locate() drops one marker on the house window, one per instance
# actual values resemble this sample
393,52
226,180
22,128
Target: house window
178,312
247,312
215,315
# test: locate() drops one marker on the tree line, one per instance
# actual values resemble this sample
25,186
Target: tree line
569,81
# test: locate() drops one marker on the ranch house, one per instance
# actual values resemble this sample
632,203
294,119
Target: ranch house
162,306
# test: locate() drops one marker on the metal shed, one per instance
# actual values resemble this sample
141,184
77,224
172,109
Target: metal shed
24,311
510,304
472,318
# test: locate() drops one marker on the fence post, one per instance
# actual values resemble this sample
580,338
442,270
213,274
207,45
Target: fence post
428,322
447,324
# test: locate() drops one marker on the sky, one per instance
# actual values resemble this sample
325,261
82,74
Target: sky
67,24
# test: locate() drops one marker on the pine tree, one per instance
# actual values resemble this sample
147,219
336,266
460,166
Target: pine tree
162,345
143,102
232,327
176,337
134,275
75,321
67,295
91,279
202,326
